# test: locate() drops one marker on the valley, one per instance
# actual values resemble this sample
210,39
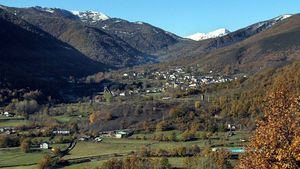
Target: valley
86,90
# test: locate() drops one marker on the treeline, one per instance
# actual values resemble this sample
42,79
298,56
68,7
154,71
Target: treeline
135,162
180,151
203,160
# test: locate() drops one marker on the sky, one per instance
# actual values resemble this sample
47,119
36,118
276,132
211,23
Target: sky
182,17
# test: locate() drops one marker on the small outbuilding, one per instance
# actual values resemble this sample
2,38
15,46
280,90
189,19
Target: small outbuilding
44,145
122,134
98,139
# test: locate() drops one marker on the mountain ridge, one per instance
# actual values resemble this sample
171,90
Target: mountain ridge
30,57
91,41
270,47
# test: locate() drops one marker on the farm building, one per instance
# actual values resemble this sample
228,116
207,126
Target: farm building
44,145
61,132
122,134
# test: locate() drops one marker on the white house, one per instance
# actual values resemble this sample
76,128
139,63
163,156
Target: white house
121,134
7,114
44,145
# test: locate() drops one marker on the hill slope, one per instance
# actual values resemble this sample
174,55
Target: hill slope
192,48
29,54
91,41
142,36
270,47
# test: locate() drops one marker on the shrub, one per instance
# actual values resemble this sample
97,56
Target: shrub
25,145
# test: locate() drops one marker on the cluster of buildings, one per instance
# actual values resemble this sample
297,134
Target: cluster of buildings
107,134
7,130
7,114
116,133
178,78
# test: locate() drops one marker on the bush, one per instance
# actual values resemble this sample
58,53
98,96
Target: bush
112,164
46,162
25,145
188,135
172,137
9,141
161,126
164,164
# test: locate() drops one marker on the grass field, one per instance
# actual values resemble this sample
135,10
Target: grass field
13,156
106,147
16,157
12,118
13,123
22,167
100,152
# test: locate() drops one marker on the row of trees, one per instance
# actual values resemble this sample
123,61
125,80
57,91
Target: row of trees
209,160
14,141
180,151
23,107
135,162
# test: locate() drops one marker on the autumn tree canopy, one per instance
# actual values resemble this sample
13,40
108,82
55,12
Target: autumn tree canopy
276,142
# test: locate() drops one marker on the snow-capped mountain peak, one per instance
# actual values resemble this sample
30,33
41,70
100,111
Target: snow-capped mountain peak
214,34
91,16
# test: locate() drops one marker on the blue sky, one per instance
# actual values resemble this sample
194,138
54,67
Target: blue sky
183,17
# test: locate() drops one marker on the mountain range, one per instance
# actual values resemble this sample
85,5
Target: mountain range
266,44
43,44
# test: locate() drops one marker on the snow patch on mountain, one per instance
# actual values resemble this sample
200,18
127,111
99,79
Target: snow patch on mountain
139,23
214,34
269,23
282,17
91,16
49,10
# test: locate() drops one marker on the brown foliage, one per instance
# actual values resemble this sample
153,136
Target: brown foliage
276,141
25,145
45,162
92,118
